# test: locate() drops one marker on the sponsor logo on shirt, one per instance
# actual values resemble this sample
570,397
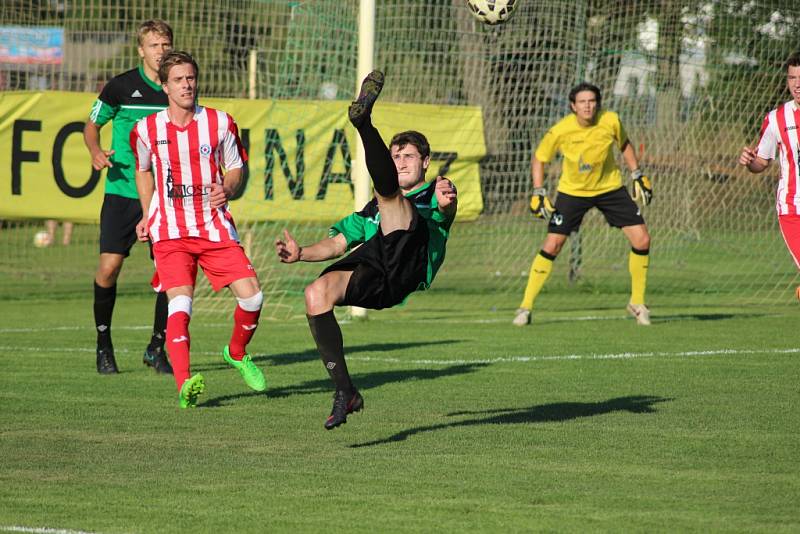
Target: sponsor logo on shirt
583,167
177,193
136,94
205,150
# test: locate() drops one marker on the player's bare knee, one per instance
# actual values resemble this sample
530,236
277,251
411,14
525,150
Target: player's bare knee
643,243
106,275
553,248
315,297
640,240
246,288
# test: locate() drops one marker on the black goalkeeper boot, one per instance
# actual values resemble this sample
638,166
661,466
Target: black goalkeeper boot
361,108
343,404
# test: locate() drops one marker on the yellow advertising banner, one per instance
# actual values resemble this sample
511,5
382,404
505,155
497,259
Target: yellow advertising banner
300,152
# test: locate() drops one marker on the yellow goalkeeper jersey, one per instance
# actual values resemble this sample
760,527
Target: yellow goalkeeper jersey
589,168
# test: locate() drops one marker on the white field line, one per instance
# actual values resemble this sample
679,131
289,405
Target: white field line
504,359
42,530
590,356
302,323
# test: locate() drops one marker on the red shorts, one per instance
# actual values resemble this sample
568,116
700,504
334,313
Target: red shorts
790,228
177,260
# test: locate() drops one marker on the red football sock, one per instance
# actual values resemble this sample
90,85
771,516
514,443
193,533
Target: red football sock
244,326
178,345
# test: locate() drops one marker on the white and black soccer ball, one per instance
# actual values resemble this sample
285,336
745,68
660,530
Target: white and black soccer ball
492,11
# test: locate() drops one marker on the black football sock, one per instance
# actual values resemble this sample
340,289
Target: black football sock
159,323
104,299
328,337
380,165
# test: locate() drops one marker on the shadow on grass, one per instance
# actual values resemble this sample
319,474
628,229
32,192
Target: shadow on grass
546,413
275,360
363,381
706,317
663,318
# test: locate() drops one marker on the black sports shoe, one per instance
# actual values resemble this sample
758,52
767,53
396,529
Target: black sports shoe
106,364
361,108
343,404
157,359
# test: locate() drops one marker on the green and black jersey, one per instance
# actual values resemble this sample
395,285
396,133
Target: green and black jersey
125,99
360,226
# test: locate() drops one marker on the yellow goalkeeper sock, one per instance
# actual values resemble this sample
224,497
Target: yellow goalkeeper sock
540,272
638,261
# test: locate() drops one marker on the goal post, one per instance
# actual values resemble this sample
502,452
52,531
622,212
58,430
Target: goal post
366,54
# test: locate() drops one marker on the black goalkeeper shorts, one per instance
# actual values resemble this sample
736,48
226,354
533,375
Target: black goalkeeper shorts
386,268
617,207
118,219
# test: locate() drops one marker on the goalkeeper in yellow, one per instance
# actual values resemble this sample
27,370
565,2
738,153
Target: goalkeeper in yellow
590,178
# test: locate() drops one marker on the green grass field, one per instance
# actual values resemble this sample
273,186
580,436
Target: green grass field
581,422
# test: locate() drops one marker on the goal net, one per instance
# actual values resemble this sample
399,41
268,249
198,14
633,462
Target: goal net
691,81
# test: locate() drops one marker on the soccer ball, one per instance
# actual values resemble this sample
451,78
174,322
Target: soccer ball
491,11
41,240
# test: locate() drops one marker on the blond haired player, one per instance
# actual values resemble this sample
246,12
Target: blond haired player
590,178
125,99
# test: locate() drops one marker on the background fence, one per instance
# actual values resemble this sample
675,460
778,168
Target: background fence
691,81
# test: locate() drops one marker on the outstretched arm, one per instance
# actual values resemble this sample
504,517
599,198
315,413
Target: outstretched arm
289,251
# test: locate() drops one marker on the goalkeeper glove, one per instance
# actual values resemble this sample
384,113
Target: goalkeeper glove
541,206
642,188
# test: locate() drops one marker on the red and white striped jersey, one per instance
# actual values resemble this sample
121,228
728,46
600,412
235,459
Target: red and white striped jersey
185,163
779,132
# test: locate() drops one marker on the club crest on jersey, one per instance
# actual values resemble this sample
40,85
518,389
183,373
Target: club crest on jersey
205,150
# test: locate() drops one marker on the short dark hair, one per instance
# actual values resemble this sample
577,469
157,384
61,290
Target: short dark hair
171,59
792,61
153,26
413,138
585,86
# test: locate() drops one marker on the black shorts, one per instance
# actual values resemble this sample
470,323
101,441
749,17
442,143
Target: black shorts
617,207
387,268
118,220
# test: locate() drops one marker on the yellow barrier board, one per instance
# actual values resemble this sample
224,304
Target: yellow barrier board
300,155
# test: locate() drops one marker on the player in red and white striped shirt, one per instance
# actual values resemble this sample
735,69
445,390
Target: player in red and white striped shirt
189,161
780,132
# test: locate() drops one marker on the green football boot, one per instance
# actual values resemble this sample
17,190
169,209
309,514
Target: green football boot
190,389
252,375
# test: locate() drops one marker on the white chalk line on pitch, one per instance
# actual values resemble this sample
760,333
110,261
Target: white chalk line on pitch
502,359
501,320
42,530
